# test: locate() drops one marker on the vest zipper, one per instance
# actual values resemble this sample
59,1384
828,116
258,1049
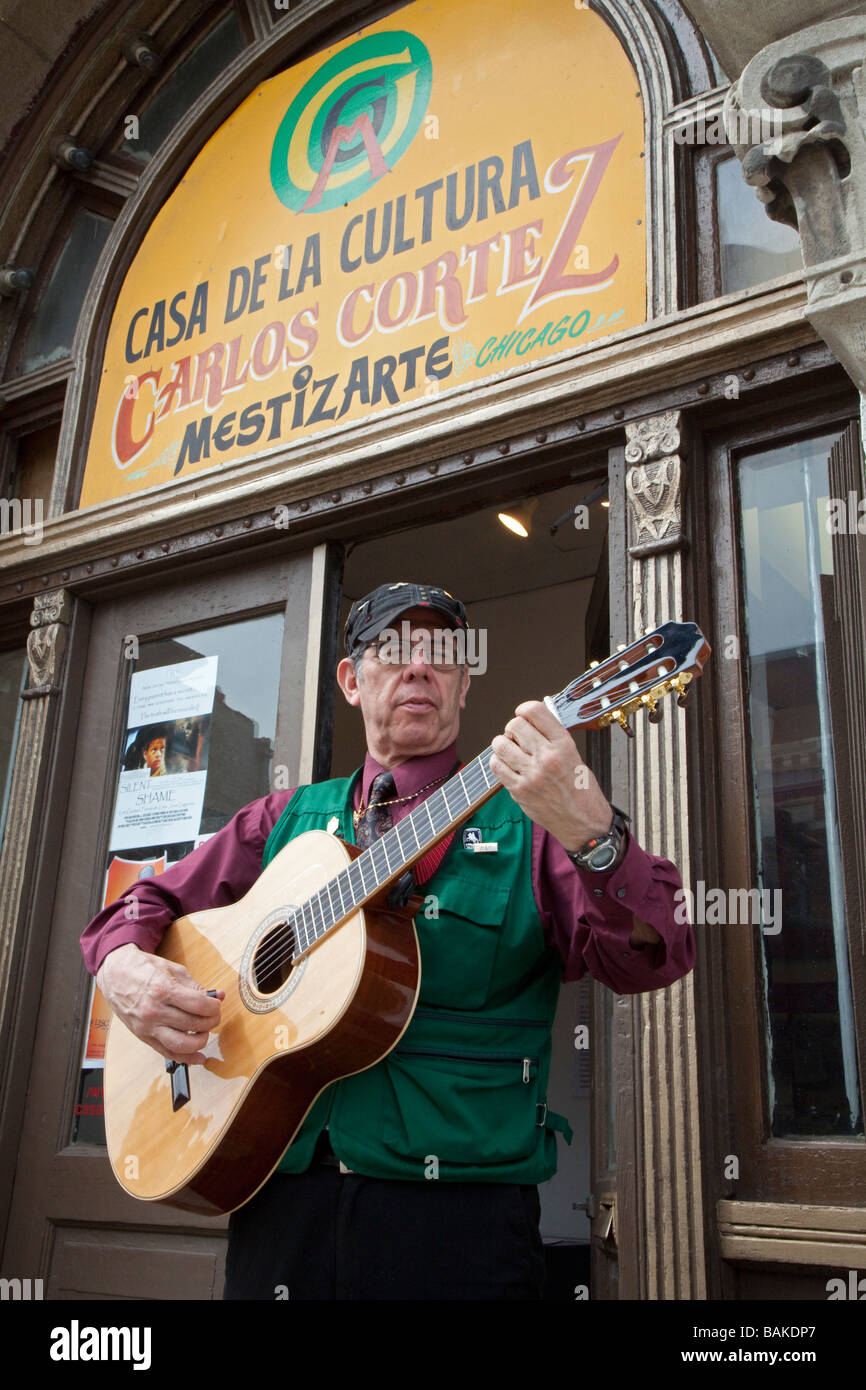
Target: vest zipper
511,1059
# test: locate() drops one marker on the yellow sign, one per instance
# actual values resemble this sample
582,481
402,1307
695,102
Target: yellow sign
456,191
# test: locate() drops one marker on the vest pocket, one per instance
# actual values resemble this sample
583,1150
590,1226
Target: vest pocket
459,945
461,1106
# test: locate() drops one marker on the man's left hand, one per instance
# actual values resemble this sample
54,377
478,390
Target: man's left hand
537,761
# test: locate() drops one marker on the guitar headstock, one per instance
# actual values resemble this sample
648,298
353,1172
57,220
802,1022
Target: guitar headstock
637,677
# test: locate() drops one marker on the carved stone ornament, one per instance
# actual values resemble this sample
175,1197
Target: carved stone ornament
653,437
53,606
786,104
46,644
654,483
797,120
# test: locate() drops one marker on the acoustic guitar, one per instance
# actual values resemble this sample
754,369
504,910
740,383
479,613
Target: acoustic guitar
321,971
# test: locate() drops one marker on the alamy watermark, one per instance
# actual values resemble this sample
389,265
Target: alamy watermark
77,1343
740,128
444,647
21,1290
22,516
845,515
718,907
853,1288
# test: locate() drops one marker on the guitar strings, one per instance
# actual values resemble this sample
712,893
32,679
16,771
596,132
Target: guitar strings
322,920
275,956
278,954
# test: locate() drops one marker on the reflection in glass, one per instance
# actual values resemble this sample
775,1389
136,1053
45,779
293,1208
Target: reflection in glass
788,563
240,732
184,86
753,248
56,317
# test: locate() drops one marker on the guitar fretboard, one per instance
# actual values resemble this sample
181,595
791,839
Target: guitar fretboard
393,853
622,682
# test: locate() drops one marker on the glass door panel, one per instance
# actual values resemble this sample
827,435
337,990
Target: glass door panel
812,1081
197,744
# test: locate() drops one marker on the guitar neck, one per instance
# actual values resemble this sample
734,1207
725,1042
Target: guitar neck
388,857
633,678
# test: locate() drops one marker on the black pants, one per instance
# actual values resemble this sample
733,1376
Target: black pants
330,1235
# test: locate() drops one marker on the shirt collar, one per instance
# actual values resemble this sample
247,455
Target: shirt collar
410,776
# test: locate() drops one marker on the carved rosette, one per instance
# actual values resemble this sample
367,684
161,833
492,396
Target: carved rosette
654,482
46,644
797,120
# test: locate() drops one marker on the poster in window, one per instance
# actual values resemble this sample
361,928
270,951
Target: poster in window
161,785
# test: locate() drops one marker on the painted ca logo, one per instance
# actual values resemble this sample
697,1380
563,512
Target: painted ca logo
351,122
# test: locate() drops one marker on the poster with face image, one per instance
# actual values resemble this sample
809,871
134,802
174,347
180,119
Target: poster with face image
163,770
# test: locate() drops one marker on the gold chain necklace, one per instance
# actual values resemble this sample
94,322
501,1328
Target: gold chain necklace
398,800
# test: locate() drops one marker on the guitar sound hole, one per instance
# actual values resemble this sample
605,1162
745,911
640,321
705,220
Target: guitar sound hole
274,958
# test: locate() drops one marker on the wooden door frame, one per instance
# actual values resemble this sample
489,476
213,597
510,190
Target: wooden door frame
818,1180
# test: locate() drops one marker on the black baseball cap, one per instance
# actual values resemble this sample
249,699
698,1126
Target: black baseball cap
370,615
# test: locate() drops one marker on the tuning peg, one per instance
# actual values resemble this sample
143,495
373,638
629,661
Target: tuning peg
682,691
619,718
653,708
621,646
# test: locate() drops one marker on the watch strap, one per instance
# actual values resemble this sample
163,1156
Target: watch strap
595,855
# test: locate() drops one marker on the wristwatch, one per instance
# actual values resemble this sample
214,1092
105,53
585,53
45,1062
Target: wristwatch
605,852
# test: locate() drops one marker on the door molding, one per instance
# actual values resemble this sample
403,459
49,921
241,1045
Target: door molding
28,858
671,1261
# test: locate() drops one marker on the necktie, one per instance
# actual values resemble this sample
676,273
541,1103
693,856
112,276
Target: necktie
377,817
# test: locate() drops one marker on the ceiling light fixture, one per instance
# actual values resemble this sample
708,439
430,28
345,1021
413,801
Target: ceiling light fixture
519,519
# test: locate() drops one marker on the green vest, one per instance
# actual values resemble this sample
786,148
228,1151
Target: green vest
462,1095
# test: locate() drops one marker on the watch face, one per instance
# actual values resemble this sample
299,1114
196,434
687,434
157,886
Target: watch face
603,857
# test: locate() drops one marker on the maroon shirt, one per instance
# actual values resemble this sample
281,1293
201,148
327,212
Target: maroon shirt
587,917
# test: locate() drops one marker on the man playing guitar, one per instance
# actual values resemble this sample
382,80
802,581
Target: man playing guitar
417,1177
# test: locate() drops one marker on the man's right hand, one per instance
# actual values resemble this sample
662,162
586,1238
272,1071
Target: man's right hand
160,1002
